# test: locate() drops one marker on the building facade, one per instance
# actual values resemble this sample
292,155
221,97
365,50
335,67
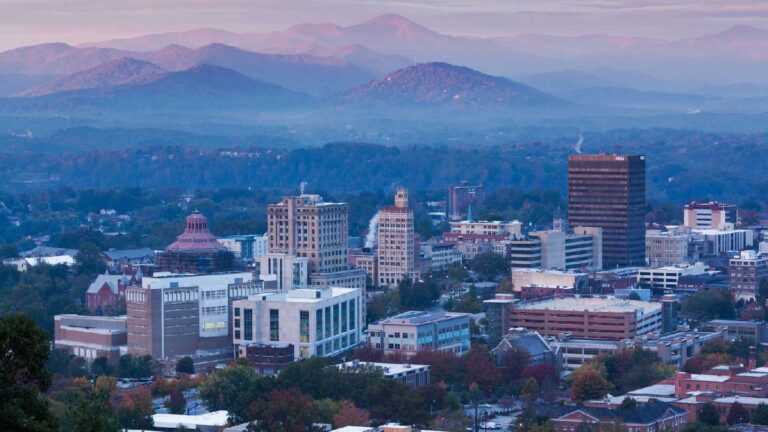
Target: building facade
91,337
196,250
173,315
410,332
667,277
711,215
589,318
608,192
289,271
461,197
667,248
746,272
319,322
398,250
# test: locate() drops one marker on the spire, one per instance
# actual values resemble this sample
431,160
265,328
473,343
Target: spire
469,213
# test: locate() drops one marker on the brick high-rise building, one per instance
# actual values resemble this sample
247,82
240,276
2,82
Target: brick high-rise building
397,246
460,197
608,192
307,226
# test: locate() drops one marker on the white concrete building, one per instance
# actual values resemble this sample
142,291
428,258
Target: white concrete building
727,240
317,322
290,271
247,246
548,278
506,228
666,248
667,277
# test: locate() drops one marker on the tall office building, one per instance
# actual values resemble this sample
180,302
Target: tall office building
397,248
608,192
307,226
461,197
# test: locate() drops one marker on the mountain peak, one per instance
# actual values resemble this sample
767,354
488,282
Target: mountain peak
444,84
393,24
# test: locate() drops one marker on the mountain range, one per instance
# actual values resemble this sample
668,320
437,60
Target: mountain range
391,62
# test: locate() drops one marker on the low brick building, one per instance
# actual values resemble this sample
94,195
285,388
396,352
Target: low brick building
91,337
267,359
653,416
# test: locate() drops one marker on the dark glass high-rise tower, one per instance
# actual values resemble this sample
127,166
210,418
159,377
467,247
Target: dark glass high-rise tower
608,191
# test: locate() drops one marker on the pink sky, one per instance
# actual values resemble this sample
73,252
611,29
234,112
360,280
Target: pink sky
25,22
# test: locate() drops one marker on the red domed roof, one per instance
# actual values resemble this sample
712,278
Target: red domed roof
196,237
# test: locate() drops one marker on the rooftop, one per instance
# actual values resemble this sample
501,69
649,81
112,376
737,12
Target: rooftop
594,304
709,378
308,295
172,421
421,317
389,369
196,237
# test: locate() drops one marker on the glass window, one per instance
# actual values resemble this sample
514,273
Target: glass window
352,321
344,317
327,322
274,325
319,324
248,324
335,319
304,327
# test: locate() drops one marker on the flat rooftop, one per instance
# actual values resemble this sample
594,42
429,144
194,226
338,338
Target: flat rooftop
389,369
594,304
172,421
421,317
307,295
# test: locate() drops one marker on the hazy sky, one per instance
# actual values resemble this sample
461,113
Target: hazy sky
24,22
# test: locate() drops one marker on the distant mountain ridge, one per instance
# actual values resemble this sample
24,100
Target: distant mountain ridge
124,71
442,84
202,88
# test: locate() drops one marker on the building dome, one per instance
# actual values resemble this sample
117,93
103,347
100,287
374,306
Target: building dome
196,237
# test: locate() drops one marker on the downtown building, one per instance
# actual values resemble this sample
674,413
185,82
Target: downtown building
711,215
307,227
412,331
461,198
319,322
174,315
398,245
608,192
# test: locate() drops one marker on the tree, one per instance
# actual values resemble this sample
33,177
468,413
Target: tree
176,403
588,385
760,416
489,265
23,377
185,365
708,414
481,369
710,304
89,409
134,409
350,415
282,411
457,272
693,365
737,414
513,363
89,260
762,291
469,302
628,403
101,366
233,389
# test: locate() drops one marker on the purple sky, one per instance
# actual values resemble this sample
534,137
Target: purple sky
25,22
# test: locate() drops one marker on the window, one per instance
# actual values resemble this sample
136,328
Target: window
237,311
248,324
274,325
343,317
319,324
335,319
327,322
304,327
352,321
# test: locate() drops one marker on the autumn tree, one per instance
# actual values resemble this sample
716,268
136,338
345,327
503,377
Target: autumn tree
588,385
737,414
350,415
185,365
481,369
282,411
134,409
